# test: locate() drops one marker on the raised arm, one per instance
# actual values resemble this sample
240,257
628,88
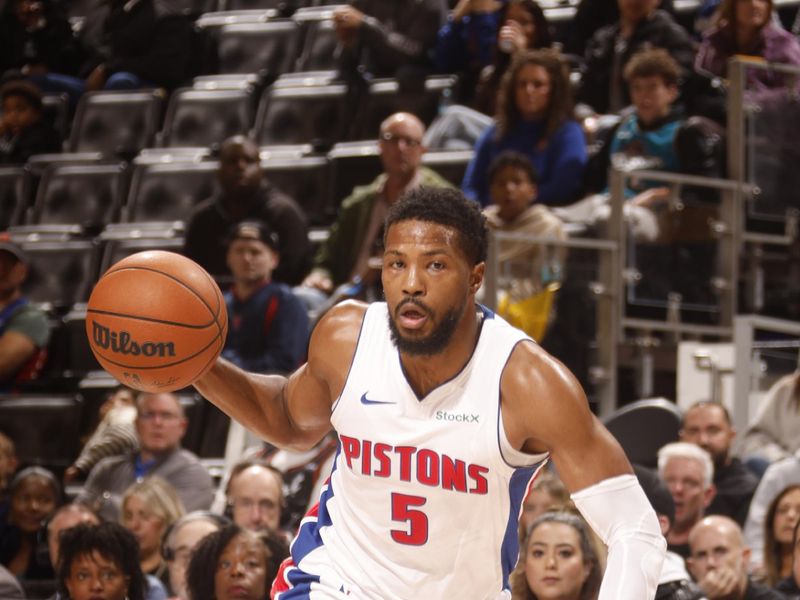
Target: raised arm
544,409
291,412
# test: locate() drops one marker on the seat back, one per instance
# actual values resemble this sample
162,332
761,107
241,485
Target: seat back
206,117
60,273
86,195
450,164
44,429
301,115
319,49
116,123
268,49
117,249
352,164
305,180
169,191
643,427
14,194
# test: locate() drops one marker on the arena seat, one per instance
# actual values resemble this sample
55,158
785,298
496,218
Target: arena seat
301,115
281,6
352,164
643,427
125,241
318,51
305,179
168,191
56,110
118,124
212,21
206,117
14,194
77,198
388,96
267,49
60,273
44,428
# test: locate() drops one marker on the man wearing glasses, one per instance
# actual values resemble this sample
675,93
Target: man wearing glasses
345,259
160,426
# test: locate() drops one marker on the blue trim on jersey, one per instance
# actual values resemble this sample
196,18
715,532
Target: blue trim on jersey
301,583
308,538
517,489
487,313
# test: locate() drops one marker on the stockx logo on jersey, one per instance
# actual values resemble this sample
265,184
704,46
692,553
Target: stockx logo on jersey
457,417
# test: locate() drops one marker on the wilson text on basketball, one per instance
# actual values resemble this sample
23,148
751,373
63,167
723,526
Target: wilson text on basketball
122,343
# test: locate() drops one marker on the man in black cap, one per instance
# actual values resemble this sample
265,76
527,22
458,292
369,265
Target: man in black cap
267,325
24,330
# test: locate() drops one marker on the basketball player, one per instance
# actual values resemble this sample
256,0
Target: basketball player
444,414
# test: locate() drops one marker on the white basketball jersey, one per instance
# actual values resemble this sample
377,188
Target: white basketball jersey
424,497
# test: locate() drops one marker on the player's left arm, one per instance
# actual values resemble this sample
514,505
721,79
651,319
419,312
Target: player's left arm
545,409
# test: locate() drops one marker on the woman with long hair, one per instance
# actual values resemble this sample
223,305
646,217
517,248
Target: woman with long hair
746,27
557,561
782,517
534,117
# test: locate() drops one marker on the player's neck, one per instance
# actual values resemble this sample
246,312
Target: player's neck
425,373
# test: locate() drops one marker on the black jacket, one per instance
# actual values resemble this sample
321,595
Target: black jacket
658,31
40,138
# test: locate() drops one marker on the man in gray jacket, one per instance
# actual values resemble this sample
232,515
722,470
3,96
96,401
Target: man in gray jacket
160,425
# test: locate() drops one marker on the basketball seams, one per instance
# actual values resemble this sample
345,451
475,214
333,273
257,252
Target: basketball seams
108,313
163,365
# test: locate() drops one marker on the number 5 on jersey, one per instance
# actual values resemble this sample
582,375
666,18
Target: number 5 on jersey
403,511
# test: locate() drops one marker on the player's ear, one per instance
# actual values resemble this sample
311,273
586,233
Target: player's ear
476,277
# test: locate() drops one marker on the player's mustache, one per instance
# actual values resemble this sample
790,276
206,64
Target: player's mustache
420,305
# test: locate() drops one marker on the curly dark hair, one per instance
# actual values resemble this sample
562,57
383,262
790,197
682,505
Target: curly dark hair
111,541
559,108
653,62
511,158
448,207
203,563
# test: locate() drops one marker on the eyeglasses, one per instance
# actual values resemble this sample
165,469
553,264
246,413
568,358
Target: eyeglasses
392,138
163,416
248,504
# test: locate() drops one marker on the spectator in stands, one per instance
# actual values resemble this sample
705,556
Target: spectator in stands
675,583
235,563
268,325
688,472
36,41
708,425
160,425
35,495
719,561
24,130
466,43
179,542
148,43
746,27
558,560
8,464
547,493
790,586
115,433
534,117
522,25
782,517
24,330
149,508
100,561
10,589
66,517
349,253
245,195
779,476
774,433
380,38
641,25
254,496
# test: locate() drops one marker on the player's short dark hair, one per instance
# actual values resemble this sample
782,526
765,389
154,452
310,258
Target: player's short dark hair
448,207
111,541
654,62
512,158
656,491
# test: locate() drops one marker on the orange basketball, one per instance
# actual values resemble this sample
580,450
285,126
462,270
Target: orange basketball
156,321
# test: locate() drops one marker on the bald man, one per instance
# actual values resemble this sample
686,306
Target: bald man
718,561
356,236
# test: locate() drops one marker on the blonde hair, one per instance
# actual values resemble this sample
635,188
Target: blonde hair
159,496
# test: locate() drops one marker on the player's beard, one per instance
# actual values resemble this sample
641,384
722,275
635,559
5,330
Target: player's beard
437,340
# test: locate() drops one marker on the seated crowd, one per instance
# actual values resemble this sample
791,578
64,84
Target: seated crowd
141,516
